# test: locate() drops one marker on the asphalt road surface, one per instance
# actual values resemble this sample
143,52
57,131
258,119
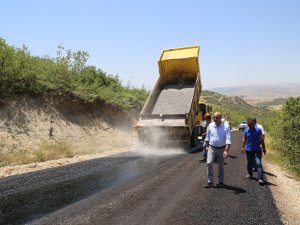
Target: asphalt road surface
134,189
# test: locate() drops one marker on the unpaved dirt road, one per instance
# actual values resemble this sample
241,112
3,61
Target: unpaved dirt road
134,189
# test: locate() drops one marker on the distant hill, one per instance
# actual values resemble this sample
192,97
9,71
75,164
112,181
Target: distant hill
263,95
229,102
235,108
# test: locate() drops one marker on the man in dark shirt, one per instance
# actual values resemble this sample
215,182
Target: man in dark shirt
204,153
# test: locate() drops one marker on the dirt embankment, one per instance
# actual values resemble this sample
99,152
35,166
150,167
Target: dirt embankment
29,123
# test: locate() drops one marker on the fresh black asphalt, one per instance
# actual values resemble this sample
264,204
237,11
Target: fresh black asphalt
134,189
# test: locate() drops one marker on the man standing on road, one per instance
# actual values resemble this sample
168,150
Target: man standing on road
263,136
251,143
204,153
217,146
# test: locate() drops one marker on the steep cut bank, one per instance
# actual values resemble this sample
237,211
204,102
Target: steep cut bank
36,126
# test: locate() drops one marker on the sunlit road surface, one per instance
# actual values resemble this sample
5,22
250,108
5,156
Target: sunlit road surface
145,186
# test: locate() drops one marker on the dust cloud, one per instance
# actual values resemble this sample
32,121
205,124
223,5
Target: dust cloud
148,151
156,141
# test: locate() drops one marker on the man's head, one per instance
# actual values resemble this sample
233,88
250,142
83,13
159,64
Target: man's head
217,118
250,122
207,116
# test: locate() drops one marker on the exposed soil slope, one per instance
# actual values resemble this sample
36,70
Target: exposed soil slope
27,123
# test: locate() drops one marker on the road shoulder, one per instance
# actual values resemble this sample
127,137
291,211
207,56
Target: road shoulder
20,169
286,192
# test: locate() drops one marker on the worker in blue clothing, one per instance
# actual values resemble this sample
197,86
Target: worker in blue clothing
252,139
263,135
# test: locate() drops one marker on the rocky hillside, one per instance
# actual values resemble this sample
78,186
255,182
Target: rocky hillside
236,109
231,102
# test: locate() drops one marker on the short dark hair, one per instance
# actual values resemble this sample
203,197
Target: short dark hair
254,120
249,120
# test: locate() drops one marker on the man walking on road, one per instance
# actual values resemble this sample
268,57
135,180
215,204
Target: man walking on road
263,136
251,143
217,146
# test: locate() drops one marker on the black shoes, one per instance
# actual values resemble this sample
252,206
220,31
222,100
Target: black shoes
209,185
220,185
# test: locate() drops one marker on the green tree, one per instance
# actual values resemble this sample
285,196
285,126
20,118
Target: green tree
286,130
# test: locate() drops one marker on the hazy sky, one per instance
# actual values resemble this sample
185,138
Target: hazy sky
242,42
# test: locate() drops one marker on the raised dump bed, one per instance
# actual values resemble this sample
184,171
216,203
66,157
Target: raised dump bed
168,115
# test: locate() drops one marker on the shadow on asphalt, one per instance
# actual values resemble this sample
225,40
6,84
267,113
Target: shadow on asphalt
195,149
232,157
236,190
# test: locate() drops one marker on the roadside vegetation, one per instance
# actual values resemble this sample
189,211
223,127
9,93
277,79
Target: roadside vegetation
67,73
46,151
285,136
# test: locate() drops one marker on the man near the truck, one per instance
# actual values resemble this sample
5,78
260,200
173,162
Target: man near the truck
218,142
204,153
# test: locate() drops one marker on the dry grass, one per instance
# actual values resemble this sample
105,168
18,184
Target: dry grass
53,150
47,151
12,154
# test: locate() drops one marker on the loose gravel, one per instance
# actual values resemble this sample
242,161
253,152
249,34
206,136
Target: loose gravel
174,100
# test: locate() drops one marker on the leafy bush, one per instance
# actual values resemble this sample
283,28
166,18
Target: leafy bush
286,131
22,73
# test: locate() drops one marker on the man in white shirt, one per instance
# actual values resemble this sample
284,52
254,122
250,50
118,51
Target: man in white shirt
218,142
259,126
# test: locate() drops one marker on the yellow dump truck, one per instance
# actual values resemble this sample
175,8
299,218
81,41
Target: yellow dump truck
170,113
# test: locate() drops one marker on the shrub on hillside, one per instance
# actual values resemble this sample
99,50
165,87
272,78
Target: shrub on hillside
22,73
286,130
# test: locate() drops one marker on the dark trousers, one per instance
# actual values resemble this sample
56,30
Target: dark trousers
254,156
